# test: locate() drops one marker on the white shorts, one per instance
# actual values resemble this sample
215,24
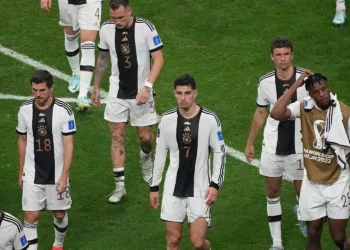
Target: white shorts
175,209
273,165
319,200
34,197
86,16
119,110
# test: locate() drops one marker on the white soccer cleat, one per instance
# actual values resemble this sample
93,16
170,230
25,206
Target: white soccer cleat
74,84
146,164
339,18
277,248
83,104
117,195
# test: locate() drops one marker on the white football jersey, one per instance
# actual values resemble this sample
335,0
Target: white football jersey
130,51
280,137
11,233
189,142
79,2
45,130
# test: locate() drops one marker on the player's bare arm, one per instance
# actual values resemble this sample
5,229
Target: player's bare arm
211,195
280,110
258,122
68,156
45,5
22,144
102,63
145,92
154,199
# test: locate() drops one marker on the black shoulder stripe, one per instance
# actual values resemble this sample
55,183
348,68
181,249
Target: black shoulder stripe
267,75
28,102
169,112
148,23
64,105
299,69
107,22
209,112
14,221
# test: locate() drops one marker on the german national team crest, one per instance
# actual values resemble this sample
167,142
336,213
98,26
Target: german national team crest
42,130
186,138
126,49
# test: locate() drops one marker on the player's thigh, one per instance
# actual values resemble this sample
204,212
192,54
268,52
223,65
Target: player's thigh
89,16
294,166
117,110
271,165
196,209
338,200
33,197
68,15
173,208
312,203
56,201
143,115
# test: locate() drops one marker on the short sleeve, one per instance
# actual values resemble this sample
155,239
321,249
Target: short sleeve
21,125
294,110
153,40
261,99
20,241
103,45
68,123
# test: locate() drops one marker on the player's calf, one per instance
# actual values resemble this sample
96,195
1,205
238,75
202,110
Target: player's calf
60,226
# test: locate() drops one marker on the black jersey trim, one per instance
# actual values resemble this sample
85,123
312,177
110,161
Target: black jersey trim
69,133
28,102
267,75
13,220
104,50
209,112
21,133
107,22
156,49
148,23
262,106
169,112
64,105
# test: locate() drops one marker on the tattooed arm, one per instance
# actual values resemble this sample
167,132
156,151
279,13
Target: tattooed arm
101,66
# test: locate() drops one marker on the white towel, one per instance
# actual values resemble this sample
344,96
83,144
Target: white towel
335,135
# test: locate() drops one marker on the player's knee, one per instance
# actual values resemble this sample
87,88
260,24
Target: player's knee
314,233
339,239
146,138
197,242
174,239
59,215
31,217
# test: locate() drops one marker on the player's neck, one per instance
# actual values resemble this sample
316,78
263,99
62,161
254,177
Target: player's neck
190,112
46,104
285,74
131,22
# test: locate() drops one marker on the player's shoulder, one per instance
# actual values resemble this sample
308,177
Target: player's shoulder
211,115
107,25
299,70
267,77
63,106
27,104
146,22
168,114
344,107
13,220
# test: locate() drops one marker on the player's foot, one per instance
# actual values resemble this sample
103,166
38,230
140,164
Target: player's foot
83,104
117,195
302,224
74,84
339,18
146,164
276,248
57,248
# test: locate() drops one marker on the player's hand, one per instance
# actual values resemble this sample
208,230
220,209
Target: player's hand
20,183
45,5
301,80
154,199
249,152
61,184
143,96
210,195
95,96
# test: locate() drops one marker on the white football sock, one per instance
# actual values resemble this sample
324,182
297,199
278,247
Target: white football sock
87,65
72,51
119,178
340,5
61,227
274,214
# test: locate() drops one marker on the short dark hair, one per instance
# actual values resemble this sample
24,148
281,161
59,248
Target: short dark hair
281,42
116,4
42,76
315,78
185,80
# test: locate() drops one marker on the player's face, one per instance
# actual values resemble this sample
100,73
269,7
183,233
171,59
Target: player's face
121,17
185,96
41,93
282,57
321,94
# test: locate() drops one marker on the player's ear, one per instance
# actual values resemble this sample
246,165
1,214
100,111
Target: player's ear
195,93
52,87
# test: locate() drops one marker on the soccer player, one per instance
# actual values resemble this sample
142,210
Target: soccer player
190,132
282,148
11,233
340,15
45,149
79,18
325,128
130,42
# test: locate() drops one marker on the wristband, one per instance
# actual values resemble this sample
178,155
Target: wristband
148,84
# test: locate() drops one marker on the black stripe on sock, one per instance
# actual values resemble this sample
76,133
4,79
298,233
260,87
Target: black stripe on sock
274,218
87,68
73,53
61,230
119,174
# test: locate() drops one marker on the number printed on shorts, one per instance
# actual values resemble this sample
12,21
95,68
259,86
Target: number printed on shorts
43,146
127,62
300,166
346,199
151,105
64,194
97,13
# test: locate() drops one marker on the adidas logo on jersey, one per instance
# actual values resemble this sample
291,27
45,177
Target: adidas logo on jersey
125,39
42,120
